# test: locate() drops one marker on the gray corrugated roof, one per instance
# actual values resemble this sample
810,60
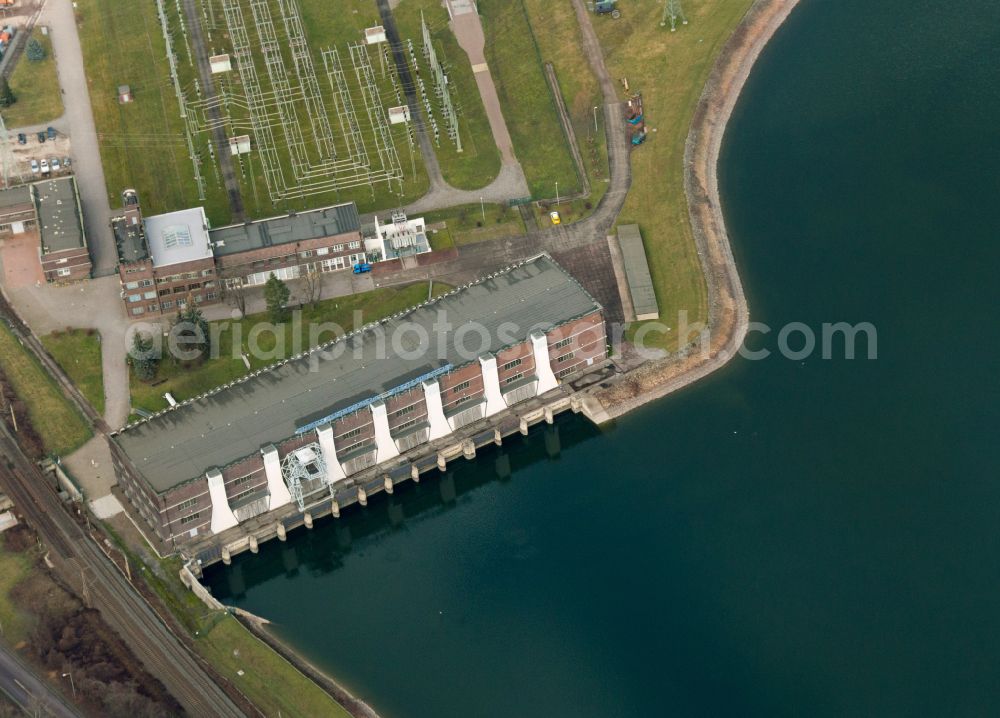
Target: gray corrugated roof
216,430
58,214
640,283
283,230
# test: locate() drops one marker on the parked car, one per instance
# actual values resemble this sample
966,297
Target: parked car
45,167
41,137
67,162
362,267
52,133
554,216
54,163
34,167
22,139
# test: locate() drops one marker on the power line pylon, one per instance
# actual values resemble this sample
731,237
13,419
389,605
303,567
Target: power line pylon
672,9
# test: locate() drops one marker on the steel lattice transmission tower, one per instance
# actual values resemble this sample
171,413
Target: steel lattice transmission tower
10,166
672,9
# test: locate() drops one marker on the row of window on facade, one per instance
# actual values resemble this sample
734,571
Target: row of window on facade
295,271
133,298
170,304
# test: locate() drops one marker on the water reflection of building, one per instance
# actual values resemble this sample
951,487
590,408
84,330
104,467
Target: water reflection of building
324,549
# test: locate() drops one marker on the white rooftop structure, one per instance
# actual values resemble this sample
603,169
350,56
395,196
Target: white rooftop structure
177,237
375,35
220,63
401,237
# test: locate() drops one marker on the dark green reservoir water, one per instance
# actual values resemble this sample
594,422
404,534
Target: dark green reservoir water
787,537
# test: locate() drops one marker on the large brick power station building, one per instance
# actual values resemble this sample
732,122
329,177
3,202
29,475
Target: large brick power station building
288,434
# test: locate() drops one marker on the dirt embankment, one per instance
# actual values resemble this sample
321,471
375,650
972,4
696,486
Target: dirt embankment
728,313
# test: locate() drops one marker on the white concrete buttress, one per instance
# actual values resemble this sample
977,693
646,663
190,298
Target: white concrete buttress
222,516
334,471
543,367
383,437
491,385
435,410
280,495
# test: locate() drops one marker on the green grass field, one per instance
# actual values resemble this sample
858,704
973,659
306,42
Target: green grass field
16,624
670,69
36,87
558,35
78,352
528,107
479,162
183,383
142,142
466,224
58,423
272,683
323,29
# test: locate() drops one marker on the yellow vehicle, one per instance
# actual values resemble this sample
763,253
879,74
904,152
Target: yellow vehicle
554,216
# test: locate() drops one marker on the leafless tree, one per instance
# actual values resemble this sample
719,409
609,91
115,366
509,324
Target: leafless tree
312,283
234,291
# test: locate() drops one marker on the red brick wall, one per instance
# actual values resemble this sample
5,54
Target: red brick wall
76,260
587,342
169,288
350,430
406,407
451,395
522,352
286,255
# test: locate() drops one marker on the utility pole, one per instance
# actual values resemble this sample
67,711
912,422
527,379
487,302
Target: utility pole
71,684
557,192
595,119
672,9
482,208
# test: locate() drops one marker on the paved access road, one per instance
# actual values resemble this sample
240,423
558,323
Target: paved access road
79,561
34,696
79,120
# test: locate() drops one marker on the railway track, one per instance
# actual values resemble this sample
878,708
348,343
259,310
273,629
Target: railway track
81,561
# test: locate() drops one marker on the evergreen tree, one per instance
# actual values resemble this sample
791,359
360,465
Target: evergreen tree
7,97
192,331
276,294
35,52
144,363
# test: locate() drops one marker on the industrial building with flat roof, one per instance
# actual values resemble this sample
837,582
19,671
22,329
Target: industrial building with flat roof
17,210
289,433
167,260
51,209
